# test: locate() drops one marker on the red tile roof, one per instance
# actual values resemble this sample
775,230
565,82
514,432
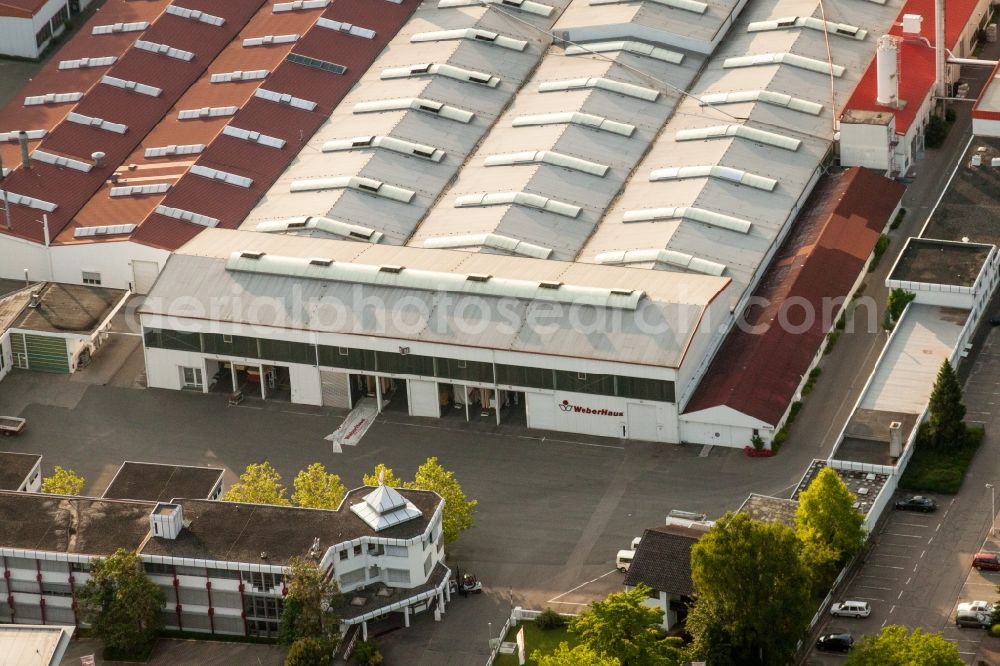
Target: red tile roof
756,372
51,79
916,76
231,204
70,189
21,8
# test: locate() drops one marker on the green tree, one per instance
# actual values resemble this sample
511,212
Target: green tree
830,530
752,600
946,424
895,646
122,606
308,611
898,300
389,478
63,482
624,628
308,652
367,654
458,510
259,484
317,489
581,655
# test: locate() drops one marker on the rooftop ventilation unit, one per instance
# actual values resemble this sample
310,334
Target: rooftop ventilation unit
99,123
471,34
284,98
669,257
447,71
316,261
526,6
133,190
702,215
790,59
627,46
387,268
811,22
246,254
494,241
518,198
389,143
552,284
416,104
740,132
166,151
187,216
32,135
106,230
207,112
270,39
599,123
28,202
223,176
114,28
715,171
357,183
764,96
141,88
53,98
350,29
166,521
323,224
279,7
164,49
83,63
240,75
195,15
599,83
549,157
687,5
478,277
59,160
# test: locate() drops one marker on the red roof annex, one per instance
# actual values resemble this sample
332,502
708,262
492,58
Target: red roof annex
916,72
761,362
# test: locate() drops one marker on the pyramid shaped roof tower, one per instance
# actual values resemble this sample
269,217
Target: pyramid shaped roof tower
385,507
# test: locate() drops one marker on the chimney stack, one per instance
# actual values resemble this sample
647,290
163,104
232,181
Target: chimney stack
98,158
895,439
22,138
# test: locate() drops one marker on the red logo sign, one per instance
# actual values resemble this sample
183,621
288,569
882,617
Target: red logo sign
566,406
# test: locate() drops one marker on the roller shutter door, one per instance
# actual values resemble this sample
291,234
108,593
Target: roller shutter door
42,352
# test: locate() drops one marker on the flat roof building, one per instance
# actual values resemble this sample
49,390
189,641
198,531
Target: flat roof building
20,471
156,482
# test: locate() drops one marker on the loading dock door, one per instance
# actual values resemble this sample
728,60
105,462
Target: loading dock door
642,422
424,399
144,275
336,388
42,352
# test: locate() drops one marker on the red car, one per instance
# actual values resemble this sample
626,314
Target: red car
988,561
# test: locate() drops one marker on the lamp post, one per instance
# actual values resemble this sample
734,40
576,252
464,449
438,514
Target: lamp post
490,641
993,507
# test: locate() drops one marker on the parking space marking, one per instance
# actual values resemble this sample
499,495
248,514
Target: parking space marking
905,557
553,599
909,536
870,598
915,524
872,587
885,566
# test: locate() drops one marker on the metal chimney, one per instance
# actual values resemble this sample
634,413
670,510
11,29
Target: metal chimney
895,439
22,138
99,159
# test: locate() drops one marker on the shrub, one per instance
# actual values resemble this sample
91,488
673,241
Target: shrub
793,412
307,652
949,115
881,245
367,654
898,220
831,340
995,631
779,439
549,619
936,132
757,441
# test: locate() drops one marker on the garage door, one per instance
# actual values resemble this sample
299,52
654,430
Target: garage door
423,398
642,422
336,388
144,275
44,353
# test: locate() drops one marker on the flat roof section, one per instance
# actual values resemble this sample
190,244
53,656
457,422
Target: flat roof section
770,509
12,305
940,262
864,485
232,532
988,104
905,375
970,207
155,482
33,645
761,362
15,468
69,308
64,524
866,437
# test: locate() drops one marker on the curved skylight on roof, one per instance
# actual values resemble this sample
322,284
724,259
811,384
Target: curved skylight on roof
103,230
811,22
83,63
686,5
548,157
367,185
725,173
240,75
790,59
765,96
527,6
253,137
495,241
195,15
279,7
133,190
447,71
164,49
410,278
417,104
135,86
390,143
207,112
114,28
173,149
627,89
324,224
472,34
349,28
187,216
32,135
59,160
270,39
575,118
740,132
669,257
628,46
702,215
525,199
285,98
222,176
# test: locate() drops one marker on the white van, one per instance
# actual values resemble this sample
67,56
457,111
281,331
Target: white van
635,543
624,560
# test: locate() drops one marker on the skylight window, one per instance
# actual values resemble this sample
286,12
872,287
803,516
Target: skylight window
316,63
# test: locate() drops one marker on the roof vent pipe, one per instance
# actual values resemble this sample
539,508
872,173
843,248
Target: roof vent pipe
22,138
99,159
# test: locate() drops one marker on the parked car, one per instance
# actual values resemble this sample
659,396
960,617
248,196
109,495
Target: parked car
851,609
917,503
977,606
966,617
635,543
624,560
988,561
835,642
995,319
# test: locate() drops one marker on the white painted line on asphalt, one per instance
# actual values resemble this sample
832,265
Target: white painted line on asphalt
922,553
579,586
909,536
892,609
938,527
885,566
914,524
872,587
905,557
870,598
915,567
900,595
907,581
567,603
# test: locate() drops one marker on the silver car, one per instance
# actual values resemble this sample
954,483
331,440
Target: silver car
851,608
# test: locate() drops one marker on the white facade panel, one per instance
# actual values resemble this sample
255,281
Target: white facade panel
113,260
642,422
600,415
423,397
866,145
985,127
144,275
306,386
18,256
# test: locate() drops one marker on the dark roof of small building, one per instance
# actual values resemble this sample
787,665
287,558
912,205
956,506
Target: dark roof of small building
770,509
65,524
15,467
663,559
970,207
154,482
940,262
760,364
234,532
69,308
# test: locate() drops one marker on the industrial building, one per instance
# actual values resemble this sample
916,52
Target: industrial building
27,27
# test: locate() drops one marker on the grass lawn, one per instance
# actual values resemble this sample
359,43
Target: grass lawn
937,471
535,639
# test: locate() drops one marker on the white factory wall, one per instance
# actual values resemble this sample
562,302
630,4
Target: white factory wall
17,255
722,426
17,35
985,127
866,145
112,260
601,415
